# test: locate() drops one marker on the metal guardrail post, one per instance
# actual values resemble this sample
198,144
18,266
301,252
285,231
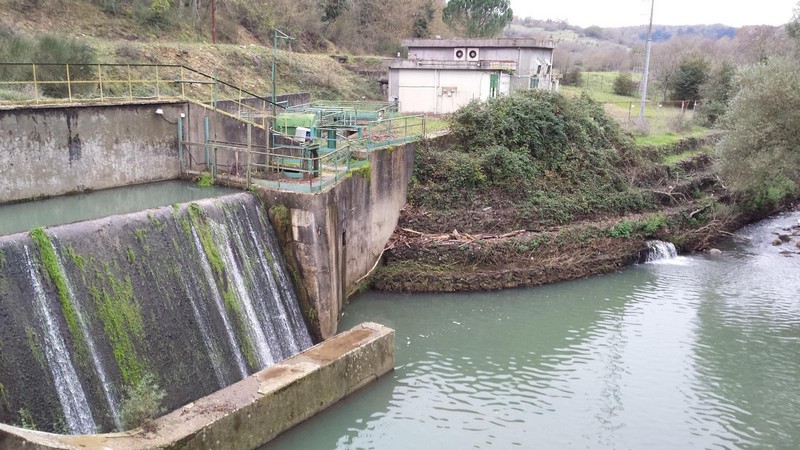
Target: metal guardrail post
69,86
214,98
214,163
183,85
100,79
35,84
158,87
130,85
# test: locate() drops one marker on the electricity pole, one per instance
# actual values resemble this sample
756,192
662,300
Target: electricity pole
278,34
213,21
647,60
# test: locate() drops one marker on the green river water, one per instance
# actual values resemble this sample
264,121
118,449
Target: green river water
694,352
18,217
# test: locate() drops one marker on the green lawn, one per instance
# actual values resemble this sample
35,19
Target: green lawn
666,123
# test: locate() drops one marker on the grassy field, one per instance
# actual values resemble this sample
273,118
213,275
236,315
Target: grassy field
664,122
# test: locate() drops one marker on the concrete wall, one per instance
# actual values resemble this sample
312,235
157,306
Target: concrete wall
253,411
337,236
441,91
53,150
48,151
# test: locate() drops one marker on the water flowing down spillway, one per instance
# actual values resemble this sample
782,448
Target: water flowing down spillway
659,250
197,295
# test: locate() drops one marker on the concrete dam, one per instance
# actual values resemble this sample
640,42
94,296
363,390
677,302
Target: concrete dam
197,294
218,302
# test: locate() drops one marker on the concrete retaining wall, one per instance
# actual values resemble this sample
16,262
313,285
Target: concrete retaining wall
254,411
48,151
335,237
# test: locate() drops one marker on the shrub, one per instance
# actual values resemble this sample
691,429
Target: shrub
625,85
759,155
142,402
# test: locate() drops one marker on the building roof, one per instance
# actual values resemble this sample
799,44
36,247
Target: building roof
479,43
453,65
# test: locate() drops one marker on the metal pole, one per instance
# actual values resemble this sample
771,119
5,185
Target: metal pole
180,143
205,125
274,58
249,151
277,34
647,60
213,21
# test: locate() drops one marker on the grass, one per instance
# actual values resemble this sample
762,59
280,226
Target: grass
666,122
671,160
669,137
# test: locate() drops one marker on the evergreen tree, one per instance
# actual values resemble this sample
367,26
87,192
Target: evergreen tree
477,18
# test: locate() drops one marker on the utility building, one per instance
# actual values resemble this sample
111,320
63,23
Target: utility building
441,75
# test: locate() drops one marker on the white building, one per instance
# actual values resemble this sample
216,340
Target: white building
441,75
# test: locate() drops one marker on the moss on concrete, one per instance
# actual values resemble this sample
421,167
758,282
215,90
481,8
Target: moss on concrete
53,272
34,346
122,322
232,306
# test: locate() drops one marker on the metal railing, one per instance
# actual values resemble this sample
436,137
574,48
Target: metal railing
373,135
394,131
50,83
293,165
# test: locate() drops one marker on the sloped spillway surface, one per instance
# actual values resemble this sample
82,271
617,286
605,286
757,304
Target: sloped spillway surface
198,295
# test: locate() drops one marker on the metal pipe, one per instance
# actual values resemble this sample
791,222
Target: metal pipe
205,126
249,151
180,143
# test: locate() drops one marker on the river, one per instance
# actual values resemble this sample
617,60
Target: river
695,352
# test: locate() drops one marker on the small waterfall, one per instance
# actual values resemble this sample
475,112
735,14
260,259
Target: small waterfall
77,413
111,398
659,250
283,289
255,329
203,324
212,285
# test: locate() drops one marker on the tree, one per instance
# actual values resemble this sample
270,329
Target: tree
691,74
760,153
625,85
717,91
477,18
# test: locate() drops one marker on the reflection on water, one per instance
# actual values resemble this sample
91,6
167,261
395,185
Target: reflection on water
18,217
700,352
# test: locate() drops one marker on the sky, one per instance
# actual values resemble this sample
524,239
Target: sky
619,13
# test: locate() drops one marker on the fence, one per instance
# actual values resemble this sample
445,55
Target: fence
670,116
23,83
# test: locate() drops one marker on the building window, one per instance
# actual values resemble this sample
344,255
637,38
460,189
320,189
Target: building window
534,82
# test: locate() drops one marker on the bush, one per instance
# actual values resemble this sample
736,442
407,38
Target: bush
142,402
759,155
572,77
625,85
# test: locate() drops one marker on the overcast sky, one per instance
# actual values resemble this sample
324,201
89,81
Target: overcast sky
618,13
